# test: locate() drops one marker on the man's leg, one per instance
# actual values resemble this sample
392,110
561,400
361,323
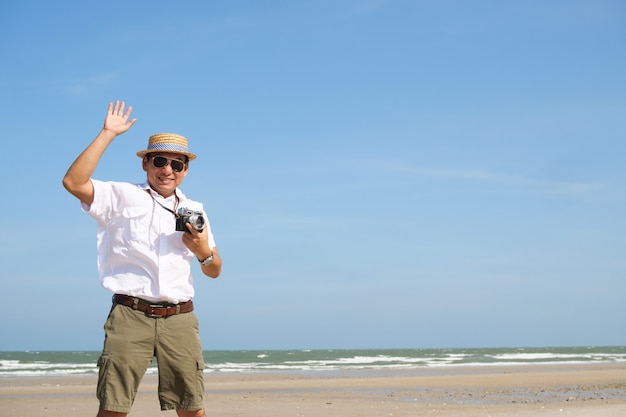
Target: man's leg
127,353
104,413
197,413
181,366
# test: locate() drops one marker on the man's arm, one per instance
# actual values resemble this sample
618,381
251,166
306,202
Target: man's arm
198,243
77,180
214,269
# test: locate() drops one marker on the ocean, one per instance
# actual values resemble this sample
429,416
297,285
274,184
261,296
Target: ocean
66,363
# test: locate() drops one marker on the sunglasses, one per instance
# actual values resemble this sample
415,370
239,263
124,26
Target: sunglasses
161,161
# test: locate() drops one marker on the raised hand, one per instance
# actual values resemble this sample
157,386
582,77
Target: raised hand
116,120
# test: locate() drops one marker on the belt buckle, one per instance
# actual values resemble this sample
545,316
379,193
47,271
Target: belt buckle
150,311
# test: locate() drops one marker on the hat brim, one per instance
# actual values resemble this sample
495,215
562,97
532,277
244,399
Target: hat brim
189,155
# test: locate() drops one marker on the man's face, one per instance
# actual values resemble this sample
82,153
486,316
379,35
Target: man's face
164,179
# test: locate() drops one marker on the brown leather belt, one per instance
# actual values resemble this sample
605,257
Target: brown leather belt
154,310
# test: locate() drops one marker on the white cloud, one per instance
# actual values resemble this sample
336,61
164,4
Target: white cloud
570,188
87,85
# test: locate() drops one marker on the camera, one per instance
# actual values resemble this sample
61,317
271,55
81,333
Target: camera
192,217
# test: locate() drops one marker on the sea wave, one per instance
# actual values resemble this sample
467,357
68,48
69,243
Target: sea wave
33,364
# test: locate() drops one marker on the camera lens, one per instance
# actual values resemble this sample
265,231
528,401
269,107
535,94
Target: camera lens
197,222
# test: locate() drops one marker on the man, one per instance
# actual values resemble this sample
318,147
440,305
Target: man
145,253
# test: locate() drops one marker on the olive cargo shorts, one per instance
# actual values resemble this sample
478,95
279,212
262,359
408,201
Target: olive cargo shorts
131,341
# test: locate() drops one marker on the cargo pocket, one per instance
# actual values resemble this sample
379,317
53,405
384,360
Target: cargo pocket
103,367
200,377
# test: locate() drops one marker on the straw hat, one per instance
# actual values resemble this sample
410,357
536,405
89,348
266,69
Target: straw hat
167,142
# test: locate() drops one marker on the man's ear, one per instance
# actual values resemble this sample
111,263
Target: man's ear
144,163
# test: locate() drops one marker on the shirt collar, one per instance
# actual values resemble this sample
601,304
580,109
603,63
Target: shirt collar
179,194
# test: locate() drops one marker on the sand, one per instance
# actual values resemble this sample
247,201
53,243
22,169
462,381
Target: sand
590,390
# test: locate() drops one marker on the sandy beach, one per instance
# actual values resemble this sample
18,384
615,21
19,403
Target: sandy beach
591,390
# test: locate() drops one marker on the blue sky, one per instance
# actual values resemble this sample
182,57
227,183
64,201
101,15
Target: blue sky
378,174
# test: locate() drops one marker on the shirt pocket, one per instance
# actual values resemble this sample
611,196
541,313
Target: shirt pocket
134,224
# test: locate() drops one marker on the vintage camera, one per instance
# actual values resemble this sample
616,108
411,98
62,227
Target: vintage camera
192,217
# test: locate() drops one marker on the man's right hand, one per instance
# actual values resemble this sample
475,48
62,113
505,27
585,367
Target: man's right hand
77,180
116,120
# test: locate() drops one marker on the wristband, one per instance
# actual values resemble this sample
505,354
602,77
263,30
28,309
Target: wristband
207,261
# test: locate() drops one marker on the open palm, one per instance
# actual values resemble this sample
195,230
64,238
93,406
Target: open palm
116,120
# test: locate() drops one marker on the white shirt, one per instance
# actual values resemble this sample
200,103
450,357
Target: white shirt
140,253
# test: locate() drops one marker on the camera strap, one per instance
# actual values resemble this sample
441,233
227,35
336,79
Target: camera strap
166,208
